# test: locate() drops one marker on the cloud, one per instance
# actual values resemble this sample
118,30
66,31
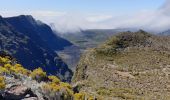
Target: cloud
158,20
99,18
165,8
45,13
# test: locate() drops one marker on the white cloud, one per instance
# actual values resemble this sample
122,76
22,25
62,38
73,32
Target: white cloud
99,18
158,20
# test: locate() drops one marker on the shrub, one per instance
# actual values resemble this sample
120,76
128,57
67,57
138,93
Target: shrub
54,79
18,68
66,85
91,98
8,66
2,83
52,90
4,60
79,96
3,70
52,87
38,74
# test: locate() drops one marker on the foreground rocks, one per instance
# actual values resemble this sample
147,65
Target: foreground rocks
19,92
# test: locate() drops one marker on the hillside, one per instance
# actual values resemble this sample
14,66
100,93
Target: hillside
22,39
18,83
38,31
131,65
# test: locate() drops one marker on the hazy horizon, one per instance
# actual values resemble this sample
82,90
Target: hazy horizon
112,14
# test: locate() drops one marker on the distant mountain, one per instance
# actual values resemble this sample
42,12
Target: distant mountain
130,65
92,37
38,31
167,32
83,40
27,41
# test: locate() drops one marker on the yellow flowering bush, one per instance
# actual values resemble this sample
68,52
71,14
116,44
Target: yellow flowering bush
2,83
51,87
8,66
4,60
38,74
55,85
91,98
3,70
18,68
66,85
54,79
79,96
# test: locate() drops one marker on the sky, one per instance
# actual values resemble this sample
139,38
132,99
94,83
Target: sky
73,15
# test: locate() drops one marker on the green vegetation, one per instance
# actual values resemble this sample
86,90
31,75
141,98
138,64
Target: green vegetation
122,40
124,93
131,65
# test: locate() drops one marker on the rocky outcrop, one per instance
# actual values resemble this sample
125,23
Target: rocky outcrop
18,93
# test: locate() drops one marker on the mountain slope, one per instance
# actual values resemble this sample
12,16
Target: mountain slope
43,35
37,30
131,65
18,83
30,50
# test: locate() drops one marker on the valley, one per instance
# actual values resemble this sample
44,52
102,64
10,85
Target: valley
85,50
98,64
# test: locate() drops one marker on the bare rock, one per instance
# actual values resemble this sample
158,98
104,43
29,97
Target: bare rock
18,92
31,98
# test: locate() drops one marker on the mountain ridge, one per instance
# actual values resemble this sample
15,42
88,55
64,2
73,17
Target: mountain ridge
30,50
130,65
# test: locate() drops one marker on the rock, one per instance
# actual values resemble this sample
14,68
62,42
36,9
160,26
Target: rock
19,92
31,98
125,74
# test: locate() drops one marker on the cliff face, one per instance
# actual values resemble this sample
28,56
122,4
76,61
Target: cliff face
131,65
38,32
27,41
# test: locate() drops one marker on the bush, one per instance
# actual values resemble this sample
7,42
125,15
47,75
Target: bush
3,70
2,83
91,98
4,60
66,85
54,79
53,91
18,68
51,87
79,96
38,74
8,66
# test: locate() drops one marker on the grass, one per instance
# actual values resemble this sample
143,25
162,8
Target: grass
139,54
123,93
